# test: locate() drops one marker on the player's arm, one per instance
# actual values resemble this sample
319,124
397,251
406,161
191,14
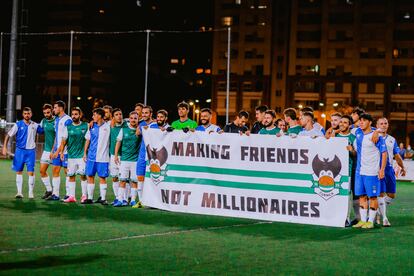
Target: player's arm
87,143
381,173
400,163
6,141
118,145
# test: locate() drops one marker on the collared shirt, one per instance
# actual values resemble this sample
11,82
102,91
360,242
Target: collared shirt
25,134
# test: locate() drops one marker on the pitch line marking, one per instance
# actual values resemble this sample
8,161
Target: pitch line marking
141,236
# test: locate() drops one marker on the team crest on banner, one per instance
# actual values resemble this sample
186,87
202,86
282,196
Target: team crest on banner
157,159
326,176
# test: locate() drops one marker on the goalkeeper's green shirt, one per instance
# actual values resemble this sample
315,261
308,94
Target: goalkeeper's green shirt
49,128
76,139
114,134
272,131
178,125
130,143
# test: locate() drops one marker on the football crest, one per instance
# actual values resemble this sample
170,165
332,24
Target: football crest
157,163
326,176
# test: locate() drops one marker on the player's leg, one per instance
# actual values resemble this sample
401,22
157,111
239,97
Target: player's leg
114,172
373,189
363,201
84,182
30,164
140,175
103,173
355,199
71,173
18,165
65,171
44,165
90,172
390,190
121,196
56,167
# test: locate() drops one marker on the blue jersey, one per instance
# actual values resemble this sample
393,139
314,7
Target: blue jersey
25,134
60,124
99,136
368,153
210,128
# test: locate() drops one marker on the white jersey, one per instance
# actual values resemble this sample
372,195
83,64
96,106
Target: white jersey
210,128
368,153
25,134
60,124
99,137
392,148
314,132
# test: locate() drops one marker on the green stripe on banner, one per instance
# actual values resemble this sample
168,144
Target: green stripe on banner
237,172
242,185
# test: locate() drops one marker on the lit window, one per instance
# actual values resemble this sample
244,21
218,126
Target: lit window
199,70
199,82
207,71
99,70
183,61
262,23
173,71
262,7
101,11
227,21
174,61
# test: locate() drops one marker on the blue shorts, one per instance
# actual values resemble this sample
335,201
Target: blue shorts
57,162
389,182
24,156
100,168
367,185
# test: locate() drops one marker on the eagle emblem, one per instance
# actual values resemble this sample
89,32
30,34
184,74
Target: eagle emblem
326,176
157,159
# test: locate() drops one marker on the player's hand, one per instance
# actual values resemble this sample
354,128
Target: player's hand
402,172
169,129
350,148
141,178
381,174
186,129
4,151
145,127
375,137
247,133
85,158
62,156
90,124
220,132
116,158
54,155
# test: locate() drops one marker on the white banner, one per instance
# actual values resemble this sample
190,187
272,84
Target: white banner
299,180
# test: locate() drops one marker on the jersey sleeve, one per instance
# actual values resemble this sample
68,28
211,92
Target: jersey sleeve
88,135
65,133
193,125
396,149
39,129
13,130
120,135
68,122
381,145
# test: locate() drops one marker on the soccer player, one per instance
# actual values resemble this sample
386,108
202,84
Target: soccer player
239,124
25,154
129,142
307,122
62,120
116,125
161,121
74,138
281,124
260,114
316,125
356,113
334,129
108,113
389,182
138,110
268,125
96,155
291,118
184,123
146,118
369,171
48,125
206,125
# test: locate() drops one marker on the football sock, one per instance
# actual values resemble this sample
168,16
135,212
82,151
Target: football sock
382,207
84,185
31,185
46,182
363,214
115,187
121,194
133,194
102,190
19,183
56,185
139,190
72,188
372,215
91,188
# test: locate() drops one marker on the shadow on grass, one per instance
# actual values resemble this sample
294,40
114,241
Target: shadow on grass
50,261
182,221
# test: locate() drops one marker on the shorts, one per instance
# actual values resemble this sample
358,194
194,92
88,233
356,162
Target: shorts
76,167
100,168
113,167
45,159
389,182
128,171
57,162
22,157
367,185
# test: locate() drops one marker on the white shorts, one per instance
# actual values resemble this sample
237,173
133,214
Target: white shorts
45,159
113,167
128,171
76,167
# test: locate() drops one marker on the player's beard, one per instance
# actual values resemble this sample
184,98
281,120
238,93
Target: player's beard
76,121
268,125
205,122
160,123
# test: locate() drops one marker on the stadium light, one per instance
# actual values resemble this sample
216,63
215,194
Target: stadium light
197,111
323,115
321,104
197,101
191,103
300,106
335,104
208,101
78,98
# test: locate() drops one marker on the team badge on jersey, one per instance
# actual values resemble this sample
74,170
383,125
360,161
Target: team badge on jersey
157,163
326,176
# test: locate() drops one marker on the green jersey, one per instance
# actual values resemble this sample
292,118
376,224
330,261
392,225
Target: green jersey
49,128
294,130
114,134
186,124
272,131
351,138
130,143
75,139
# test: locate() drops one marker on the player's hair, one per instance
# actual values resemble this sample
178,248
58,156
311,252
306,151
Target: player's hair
148,107
27,109
271,113
261,108
206,109
183,104
382,118
76,108
116,110
307,109
336,114
108,107
349,117
243,114
60,104
99,111
163,112
308,114
140,105
278,120
366,116
291,113
358,110
47,106
133,113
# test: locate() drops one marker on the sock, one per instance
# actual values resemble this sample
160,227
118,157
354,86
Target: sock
84,185
46,182
31,185
388,199
19,183
363,214
382,207
133,194
372,215
67,185
355,206
127,191
56,185
139,190
91,188
102,190
121,194
72,188
115,187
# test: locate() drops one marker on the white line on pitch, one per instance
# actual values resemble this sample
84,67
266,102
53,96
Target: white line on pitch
168,233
